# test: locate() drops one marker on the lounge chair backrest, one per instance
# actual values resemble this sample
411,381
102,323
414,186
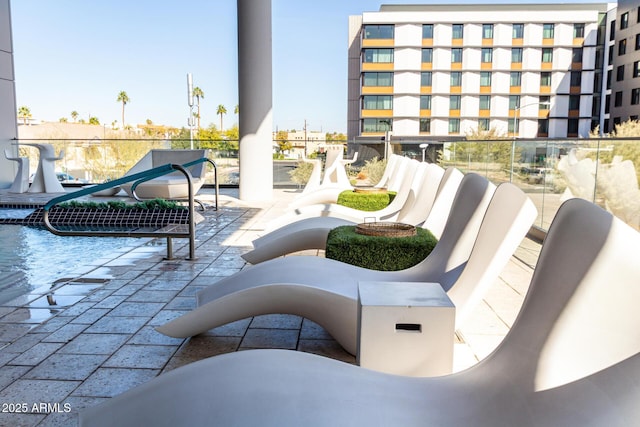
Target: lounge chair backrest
162,157
390,169
410,170
506,222
439,214
416,210
445,263
580,315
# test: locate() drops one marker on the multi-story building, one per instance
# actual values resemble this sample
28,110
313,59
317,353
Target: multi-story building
623,75
425,73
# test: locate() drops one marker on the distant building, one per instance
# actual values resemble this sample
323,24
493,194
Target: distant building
427,73
623,70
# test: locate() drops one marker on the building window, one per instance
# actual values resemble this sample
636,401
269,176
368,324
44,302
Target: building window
456,78
378,55
425,78
378,31
457,31
454,125
487,31
456,55
513,126
547,31
638,41
636,69
620,73
485,78
516,55
597,82
543,127
572,127
578,31
622,47
607,105
377,102
425,102
608,79
611,55
377,79
638,15
487,55
544,103
485,102
624,21
516,78
618,99
595,106
514,102
612,31
427,55
454,102
574,102
425,125
483,124
576,78
427,31
547,55
545,78
576,55
517,31
635,96
376,125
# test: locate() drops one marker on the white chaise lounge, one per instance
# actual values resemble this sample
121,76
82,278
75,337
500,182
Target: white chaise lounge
571,359
173,185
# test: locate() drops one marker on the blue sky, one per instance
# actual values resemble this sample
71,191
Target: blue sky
78,55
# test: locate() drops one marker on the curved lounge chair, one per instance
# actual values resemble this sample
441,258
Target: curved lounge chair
475,246
330,193
572,358
173,185
410,170
435,191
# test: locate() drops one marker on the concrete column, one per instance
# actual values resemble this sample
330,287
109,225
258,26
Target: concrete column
8,124
255,99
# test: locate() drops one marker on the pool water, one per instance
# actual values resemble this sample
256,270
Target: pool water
33,257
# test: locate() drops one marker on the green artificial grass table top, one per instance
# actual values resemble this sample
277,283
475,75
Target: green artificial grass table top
379,252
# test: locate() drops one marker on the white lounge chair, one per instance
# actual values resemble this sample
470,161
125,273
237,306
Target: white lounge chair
173,185
312,233
325,291
572,358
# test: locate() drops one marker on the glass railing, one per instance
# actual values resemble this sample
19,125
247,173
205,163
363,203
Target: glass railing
604,171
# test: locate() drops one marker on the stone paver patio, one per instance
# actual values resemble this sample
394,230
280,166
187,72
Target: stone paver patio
94,337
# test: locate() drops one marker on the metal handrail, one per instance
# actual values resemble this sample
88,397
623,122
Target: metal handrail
138,178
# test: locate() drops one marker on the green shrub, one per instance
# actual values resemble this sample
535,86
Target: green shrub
366,201
376,252
374,169
301,174
114,204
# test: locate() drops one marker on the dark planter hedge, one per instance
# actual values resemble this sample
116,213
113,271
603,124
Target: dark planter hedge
366,201
379,253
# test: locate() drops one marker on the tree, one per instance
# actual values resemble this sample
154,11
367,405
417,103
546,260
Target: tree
63,120
236,110
221,110
94,121
24,113
198,93
74,115
124,98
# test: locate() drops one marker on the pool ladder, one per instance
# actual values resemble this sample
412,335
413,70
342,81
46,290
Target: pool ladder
138,178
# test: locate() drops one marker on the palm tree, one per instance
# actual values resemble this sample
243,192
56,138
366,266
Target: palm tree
124,98
236,110
221,110
74,115
24,113
198,93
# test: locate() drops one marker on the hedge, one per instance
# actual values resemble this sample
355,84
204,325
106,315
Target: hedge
376,252
366,201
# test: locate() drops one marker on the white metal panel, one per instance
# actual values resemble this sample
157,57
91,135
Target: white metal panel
469,106
586,102
439,105
591,33
472,34
499,105
560,82
406,82
500,81
441,34
532,33
502,34
584,128
530,82
561,106
407,58
587,82
5,27
406,105
562,57
471,58
557,128
470,82
589,57
531,58
441,58
501,58
406,127
439,126
563,33
408,35
441,81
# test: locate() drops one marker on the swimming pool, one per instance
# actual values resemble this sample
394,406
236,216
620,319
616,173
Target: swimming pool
32,257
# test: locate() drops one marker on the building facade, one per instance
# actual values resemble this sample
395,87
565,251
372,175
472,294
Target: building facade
421,73
623,74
